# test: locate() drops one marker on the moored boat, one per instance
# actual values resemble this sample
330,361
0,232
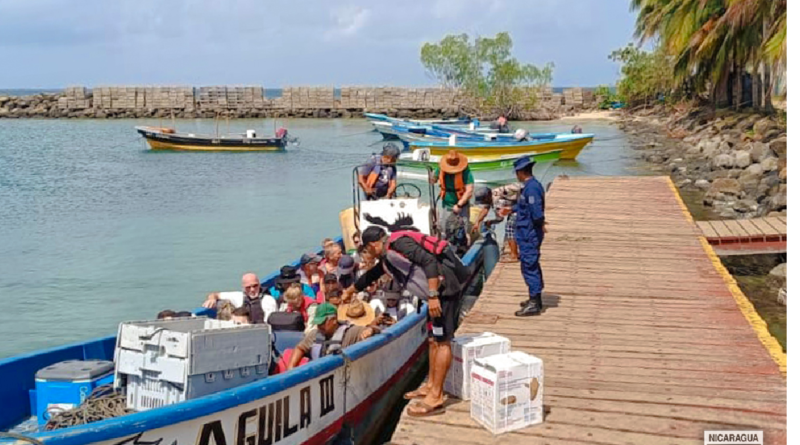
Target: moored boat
310,404
504,162
169,139
569,144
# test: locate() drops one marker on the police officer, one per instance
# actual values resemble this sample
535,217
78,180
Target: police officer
529,234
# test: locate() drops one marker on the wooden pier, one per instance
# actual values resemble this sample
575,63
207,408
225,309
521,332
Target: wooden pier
746,236
646,338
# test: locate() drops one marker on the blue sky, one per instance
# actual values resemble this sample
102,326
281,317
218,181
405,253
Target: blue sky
55,43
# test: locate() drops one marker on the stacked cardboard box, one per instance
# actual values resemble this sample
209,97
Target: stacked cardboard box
467,348
507,391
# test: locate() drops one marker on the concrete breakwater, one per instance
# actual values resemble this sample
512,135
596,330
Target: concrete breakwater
252,102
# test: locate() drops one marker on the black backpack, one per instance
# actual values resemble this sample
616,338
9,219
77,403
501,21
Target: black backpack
286,321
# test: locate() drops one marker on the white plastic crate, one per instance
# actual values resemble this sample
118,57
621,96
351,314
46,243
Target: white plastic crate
169,361
466,349
507,391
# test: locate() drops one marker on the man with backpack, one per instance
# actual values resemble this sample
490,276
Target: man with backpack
456,185
428,268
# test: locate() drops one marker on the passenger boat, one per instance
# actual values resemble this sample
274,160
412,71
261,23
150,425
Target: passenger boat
375,117
169,139
312,404
391,128
569,144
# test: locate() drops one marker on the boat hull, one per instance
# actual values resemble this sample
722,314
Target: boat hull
479,165
570,148
159,140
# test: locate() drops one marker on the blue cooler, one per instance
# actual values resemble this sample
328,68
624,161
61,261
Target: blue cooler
67,384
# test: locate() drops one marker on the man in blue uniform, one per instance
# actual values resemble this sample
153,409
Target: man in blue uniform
529,234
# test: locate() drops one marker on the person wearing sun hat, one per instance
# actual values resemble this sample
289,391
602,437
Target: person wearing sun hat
456,185
330,335
529,234
287,277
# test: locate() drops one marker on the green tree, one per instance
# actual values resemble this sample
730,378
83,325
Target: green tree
485,72
719,42
646,75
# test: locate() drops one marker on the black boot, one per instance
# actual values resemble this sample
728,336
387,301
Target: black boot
531,308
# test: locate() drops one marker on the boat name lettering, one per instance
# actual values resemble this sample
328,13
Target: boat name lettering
270,423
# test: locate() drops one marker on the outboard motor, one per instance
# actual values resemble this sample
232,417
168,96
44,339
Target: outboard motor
520,134
421,154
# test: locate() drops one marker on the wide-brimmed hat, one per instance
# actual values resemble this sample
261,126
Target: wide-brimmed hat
357,312
288,275
453,162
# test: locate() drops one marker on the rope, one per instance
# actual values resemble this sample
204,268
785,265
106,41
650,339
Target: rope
103,403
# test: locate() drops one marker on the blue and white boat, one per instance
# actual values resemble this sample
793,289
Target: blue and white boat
311,404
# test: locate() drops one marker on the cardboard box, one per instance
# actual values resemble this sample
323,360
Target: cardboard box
507,391
466,349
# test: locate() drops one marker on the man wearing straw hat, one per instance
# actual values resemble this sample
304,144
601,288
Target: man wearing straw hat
456,185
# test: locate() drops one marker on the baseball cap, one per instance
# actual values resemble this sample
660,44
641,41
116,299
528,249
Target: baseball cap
372,234
390,150
324,311
523,162
483,194
309,258
346,265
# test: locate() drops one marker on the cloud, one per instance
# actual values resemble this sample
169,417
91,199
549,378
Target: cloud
275,43
347,21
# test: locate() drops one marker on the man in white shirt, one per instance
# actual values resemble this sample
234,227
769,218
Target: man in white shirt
259,303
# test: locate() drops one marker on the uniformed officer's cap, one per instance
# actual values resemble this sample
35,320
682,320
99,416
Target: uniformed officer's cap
523,162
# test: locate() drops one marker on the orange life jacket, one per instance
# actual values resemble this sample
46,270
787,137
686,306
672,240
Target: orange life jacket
459,183
430,243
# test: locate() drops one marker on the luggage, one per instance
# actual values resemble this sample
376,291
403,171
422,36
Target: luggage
286,321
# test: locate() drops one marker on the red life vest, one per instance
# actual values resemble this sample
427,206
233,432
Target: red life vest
430,243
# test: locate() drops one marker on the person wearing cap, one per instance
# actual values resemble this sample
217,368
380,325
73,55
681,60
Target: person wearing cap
346,271
309,270
260,304
429,270
502,200
529,234
287,277
330,335
456,185
378,176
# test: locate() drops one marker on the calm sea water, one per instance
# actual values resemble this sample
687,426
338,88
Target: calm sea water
96,229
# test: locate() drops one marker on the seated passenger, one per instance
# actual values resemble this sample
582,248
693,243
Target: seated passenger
241,315
295,301
333,253
378,176
329,283
288,277
251,296
166,314
329,337
346,271
225,310
334,297
309,270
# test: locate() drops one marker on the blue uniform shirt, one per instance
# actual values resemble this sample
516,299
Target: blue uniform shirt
530,206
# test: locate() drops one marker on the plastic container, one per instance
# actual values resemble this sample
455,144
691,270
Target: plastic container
169,361
65,385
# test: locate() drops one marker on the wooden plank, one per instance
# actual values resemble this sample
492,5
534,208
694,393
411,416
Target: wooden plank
735,228
766,228
707,229
751,229
781,218
641,338
721,229
777,224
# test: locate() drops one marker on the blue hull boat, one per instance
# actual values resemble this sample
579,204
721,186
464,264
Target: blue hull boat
311,404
